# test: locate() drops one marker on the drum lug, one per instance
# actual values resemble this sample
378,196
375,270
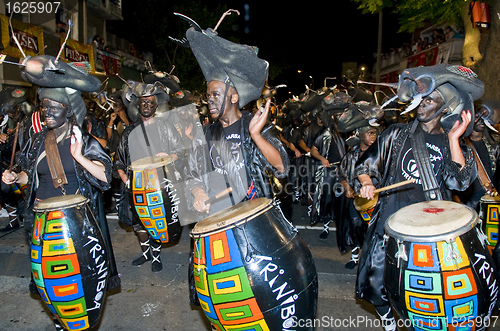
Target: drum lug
452,254
401,253
482,237
386,238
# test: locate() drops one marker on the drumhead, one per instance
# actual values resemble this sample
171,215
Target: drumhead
431,221
232,216
62,202
152,162
488,198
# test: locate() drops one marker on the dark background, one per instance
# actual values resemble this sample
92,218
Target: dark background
314,38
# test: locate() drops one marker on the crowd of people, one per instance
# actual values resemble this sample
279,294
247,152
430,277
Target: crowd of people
322,150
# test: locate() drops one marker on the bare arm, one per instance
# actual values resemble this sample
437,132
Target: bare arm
271,154
454,135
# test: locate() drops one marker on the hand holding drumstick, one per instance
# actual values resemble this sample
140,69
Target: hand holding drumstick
201,200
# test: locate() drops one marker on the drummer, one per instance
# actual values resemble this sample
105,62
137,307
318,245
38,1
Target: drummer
354,227
427,150
149,135
240,146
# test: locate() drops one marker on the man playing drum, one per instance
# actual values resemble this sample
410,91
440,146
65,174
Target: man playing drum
427,150
148,136
240,147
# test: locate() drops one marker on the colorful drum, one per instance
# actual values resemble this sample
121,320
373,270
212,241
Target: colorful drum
489,214
252,270
365,207
438,273
157,197
69,261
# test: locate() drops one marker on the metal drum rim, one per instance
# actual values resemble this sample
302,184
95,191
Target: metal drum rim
223,227
39,208
447,236
158,161
488,198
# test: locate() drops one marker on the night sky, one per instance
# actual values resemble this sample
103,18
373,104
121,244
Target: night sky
313,38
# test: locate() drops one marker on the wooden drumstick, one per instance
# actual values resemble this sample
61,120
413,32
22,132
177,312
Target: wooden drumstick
14,146
219,195
389,187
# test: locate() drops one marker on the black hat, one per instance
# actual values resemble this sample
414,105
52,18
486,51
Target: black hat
336,101
170,82
225,61
60,81
358,115
312,102
458,86
181,98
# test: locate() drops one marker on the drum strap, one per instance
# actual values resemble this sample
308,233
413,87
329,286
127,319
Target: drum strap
54,161
483,175
421,155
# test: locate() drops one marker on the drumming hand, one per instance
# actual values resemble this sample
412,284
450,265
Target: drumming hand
493,192
349,192
199,201
3,138
366,191
325,163
161,154
9,177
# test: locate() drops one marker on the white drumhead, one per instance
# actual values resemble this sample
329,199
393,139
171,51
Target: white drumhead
61,202
152,162
232,216
431,219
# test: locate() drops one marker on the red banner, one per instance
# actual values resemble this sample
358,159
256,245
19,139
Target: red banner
427,58
110,65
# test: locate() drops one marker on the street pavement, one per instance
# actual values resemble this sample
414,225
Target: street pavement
160,301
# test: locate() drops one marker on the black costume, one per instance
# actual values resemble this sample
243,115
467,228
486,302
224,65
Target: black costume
89,186
257,168
382,161
169,142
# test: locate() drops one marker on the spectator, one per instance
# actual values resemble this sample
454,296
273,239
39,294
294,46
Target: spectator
450,33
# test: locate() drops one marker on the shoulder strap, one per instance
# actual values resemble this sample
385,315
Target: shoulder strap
421,155
54,160
483,175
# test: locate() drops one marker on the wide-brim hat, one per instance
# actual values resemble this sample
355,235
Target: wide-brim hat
312,102
181,98
60,81
170,82
222,60
459,86
337,101
358,115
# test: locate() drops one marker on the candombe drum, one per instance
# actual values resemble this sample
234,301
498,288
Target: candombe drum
157,197
489,214
252,270
438,272
69,261
365,207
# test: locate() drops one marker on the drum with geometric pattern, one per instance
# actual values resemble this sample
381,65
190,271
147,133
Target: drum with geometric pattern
69,261
438,272
156,197
252,270
489,214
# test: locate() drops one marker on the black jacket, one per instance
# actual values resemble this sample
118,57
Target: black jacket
258,169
